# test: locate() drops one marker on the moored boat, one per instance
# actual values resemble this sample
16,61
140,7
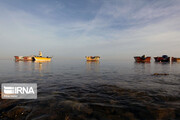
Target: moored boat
164,58
142,58
41,59
177,59
23,58
174,59
92,58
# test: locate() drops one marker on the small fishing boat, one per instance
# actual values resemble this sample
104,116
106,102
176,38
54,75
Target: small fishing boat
142,58
92,58
175,59
164,58
41,59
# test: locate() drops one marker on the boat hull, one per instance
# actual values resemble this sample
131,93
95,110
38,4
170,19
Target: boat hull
19,58
161,59
176,59
140,59
28,58
42,59
90,58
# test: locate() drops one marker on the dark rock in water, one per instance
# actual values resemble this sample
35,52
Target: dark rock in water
18,113
76,106
163,113
160,74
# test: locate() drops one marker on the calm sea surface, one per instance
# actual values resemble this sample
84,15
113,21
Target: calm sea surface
105,90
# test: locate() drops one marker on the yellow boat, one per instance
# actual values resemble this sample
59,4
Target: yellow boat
41,59
92,58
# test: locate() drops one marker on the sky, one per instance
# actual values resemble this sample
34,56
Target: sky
112,29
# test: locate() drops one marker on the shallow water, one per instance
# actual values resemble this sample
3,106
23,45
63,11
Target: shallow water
105,90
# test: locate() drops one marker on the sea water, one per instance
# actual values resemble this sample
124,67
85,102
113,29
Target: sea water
104,90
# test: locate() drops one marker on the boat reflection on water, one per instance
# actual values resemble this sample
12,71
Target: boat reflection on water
142,67
41,65
92,66
32,67
163,66
23,66
148,62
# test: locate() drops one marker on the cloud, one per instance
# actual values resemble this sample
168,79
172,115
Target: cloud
115,28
